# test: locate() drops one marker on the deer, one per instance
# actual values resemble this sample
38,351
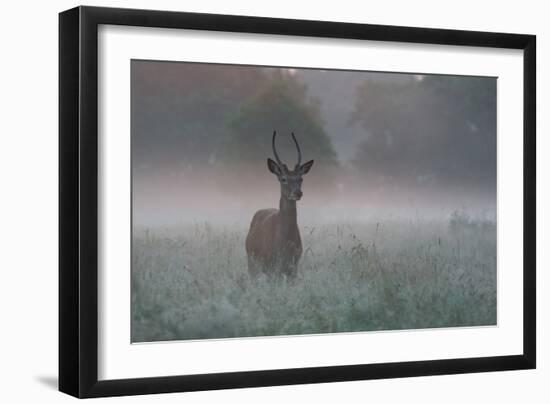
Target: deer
273,243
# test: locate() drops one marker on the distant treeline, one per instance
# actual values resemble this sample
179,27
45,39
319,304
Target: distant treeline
413,129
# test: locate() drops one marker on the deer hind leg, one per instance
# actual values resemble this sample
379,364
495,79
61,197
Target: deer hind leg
253,267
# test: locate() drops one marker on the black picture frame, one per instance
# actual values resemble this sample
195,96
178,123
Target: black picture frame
78,201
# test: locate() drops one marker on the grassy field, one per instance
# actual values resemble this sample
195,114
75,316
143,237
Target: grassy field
192,282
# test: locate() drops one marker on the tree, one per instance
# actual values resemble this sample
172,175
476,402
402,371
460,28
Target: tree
435,129
180,110
282,105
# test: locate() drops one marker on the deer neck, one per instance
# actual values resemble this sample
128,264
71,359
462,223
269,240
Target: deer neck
287,212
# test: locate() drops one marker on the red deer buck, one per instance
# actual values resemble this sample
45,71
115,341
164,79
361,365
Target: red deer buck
273,244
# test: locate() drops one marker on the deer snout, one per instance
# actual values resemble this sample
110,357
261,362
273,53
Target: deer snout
296,195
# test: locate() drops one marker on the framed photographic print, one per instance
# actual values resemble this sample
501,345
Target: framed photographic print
250,201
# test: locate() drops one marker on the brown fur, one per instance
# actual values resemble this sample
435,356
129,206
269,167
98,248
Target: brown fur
273,244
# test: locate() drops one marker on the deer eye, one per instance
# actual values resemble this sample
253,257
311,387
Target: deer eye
283,180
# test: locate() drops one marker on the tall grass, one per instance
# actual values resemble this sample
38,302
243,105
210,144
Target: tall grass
192,282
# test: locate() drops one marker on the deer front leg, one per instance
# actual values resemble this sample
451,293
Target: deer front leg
290,267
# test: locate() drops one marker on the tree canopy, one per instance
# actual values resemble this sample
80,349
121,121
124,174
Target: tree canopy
187,115
179,110
428,129
282,105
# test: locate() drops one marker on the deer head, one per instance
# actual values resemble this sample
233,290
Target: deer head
290,180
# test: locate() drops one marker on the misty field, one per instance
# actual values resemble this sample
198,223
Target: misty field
191,282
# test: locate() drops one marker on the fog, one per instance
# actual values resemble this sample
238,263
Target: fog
386,146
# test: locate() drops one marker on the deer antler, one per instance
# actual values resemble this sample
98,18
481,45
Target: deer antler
297,148
275,150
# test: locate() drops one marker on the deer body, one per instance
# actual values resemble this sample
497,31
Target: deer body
273,243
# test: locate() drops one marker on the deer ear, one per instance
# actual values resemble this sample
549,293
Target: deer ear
273,167
304,168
